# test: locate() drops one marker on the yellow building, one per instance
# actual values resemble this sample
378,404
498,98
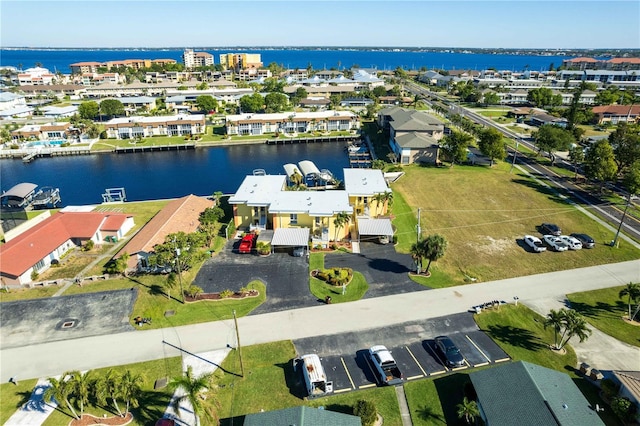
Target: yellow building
240,61
263,203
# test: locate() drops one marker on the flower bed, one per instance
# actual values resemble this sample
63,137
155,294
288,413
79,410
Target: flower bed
221,296
334,276
88,419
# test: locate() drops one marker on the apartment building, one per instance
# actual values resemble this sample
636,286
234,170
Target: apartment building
613,64
137,126
291,122
240,61
36,76
92,67
193,59
43,132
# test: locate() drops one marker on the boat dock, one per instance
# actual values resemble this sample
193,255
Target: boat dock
320,139
151,148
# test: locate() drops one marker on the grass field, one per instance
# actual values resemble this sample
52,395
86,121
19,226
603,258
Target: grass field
483,213
604,310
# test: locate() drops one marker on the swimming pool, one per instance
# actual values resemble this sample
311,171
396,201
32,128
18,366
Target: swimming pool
56,142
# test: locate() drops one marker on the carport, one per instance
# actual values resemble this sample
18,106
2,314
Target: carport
291,237
374,228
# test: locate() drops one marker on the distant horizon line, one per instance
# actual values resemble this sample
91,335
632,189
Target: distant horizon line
314,47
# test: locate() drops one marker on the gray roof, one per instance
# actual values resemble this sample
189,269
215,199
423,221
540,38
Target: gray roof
21,190
415,140
412,120
16,111
533,395
8,96
375,227
302,415
290,237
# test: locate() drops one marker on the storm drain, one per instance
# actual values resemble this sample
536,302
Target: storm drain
67,324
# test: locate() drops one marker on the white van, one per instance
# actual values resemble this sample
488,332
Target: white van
314,377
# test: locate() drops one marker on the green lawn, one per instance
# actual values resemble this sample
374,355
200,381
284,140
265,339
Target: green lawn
483,213
269,383
13,397
320,289
604,310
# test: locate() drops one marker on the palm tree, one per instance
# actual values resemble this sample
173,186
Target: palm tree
574,325
193,388
340,221
632,291
418,255
379,199
80,384
435,246
60,390
108,387
554,319
130,388
468,409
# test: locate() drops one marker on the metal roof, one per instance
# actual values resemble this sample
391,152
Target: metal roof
375,227
21,190
290,237
364,182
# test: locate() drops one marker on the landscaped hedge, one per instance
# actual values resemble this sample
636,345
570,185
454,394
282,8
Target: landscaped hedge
335,276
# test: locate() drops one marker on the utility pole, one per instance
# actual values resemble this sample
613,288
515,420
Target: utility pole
418,229
615,240
179,271
515,154
235,320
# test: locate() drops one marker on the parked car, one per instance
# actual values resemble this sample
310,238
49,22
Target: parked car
550,229
384,366
555,243
247,243
315,379
572,242
450,352
535,243
587,241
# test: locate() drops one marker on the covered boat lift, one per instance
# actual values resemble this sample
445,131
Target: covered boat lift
19,196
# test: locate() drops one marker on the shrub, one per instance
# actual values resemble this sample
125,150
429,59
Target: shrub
193,291
34,275
623,408
263,247
367,412
88,246
609,388
226,294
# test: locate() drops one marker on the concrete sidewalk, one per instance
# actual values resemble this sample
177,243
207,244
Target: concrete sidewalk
79,354
35,411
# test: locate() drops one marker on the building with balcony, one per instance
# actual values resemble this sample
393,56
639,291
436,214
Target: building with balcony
240,61
144,127
291,122
193,59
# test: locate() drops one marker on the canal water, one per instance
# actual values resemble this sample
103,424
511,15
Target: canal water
156,175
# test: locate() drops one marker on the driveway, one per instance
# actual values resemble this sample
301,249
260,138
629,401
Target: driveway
385,270
286,277
53,319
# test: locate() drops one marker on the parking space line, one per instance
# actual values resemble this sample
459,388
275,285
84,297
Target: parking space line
348,374
478,348
438,358
419,376
435,373
342,390
414,358
370,385
501,360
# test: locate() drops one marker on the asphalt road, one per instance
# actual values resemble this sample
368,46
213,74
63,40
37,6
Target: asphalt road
49,359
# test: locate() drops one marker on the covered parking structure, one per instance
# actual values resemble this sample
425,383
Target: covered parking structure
291,237
370,228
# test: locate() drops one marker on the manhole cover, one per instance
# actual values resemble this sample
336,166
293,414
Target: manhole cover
67,323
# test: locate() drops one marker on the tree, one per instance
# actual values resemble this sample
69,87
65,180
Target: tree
108,387
543,97
454,146
111,107
202,86
180,250
552,138
60,391
554,320
468,410
275,102
252,103
81,385
625,141
576,156
418,254
206,103
567,323
379,91
117,266
130,388
367,412
632,293
88,110
491,144
491,98
211,215
599,163
435,247
301,93
194,389
340,221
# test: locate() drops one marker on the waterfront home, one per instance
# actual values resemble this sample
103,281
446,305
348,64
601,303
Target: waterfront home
193,59
58,90
179,215
42,132
95,79
253,74
35,76
82,67
291,122
240,61
323,90
413,135
144,127
33,251
615,114
615,64
263,202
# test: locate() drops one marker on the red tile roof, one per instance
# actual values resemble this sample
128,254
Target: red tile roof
632,110
179,215
27,249
582,59
624,60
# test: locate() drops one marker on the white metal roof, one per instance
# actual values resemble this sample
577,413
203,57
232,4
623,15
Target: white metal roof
375,227
308,167
158,119
314,203
290,237
258,190
364,182
21,190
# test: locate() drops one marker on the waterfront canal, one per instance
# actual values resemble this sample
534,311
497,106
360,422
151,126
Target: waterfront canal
155,175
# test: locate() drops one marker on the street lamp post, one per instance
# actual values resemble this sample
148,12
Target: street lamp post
615,240
179,271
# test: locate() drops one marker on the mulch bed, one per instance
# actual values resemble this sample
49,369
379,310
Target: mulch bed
216,296
88,419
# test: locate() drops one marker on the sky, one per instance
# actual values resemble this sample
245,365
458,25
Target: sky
419,23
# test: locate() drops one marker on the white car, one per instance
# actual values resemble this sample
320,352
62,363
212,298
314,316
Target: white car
572,242
555,243
535,243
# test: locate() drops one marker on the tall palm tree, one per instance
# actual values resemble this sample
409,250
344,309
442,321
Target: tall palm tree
130,388
554,319
435,246
574,325
81,384
108,387
632,291
193,388
340,221
468,410
60,390
379,199
418,255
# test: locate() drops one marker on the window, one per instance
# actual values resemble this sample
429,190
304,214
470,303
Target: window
38,266
318,221
293,219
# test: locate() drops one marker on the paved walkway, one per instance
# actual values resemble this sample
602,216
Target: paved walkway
123,348
35,411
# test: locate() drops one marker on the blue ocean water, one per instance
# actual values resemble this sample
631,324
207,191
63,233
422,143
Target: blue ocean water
59,60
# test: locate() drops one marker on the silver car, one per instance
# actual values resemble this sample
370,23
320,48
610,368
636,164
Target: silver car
555,243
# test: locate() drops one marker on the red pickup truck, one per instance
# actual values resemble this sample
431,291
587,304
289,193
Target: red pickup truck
247,243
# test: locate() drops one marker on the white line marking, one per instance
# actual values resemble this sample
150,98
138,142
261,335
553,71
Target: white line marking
414,358
347,371
479,350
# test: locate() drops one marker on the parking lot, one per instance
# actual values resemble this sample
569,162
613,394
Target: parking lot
346,362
